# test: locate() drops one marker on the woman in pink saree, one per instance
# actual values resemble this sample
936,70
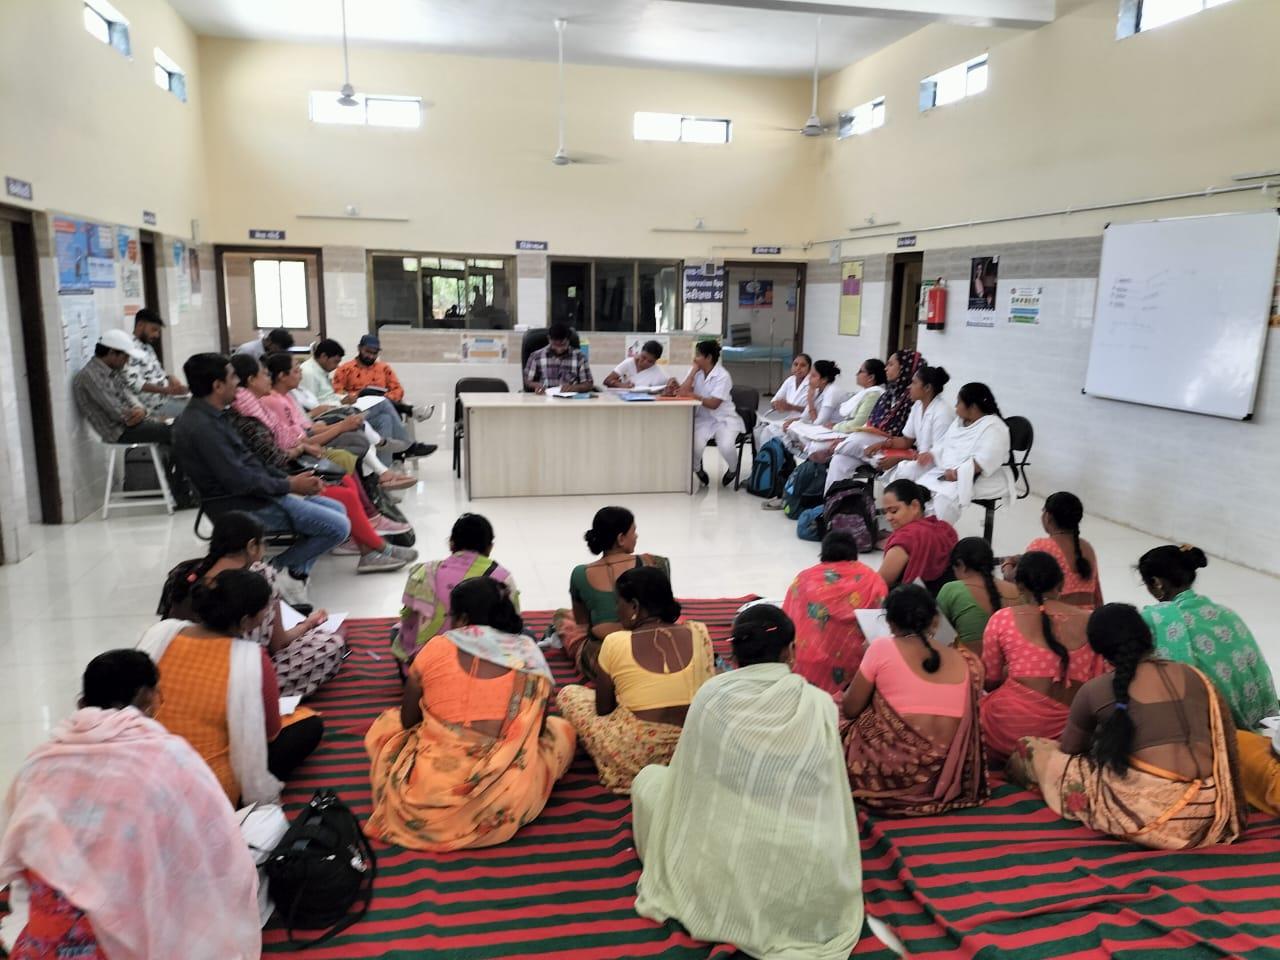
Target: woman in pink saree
124,836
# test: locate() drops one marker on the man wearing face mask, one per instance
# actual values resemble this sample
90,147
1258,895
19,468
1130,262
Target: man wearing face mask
365,371
161,394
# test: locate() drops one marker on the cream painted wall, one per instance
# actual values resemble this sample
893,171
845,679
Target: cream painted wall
1071,116
477,176
89,128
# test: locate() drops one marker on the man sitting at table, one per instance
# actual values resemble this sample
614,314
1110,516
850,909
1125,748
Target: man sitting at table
558,364
640,371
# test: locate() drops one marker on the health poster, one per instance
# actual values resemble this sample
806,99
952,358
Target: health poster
129,259
1024,304
483,348
851,298
100,242
79,330
183,277
755,294
71,247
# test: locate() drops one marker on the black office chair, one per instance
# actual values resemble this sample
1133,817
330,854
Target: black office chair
469,385
746,400
213,508
536,340
1021,436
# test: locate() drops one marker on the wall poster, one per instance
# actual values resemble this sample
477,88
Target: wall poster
851,298
983,272
182,275
71,247
1024,304
701,288
79,330
129,259
755,294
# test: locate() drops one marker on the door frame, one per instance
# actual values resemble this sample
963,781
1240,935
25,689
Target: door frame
802,273
219,250
35,350
897,293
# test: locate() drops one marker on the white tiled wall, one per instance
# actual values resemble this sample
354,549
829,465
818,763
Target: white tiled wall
1179,476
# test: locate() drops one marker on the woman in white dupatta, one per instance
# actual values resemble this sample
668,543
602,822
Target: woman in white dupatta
220,692
126,842
972,461
749,836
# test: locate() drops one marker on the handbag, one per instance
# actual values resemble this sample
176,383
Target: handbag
322,467
322,871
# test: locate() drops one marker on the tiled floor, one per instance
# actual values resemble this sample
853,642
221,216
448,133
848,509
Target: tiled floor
94,586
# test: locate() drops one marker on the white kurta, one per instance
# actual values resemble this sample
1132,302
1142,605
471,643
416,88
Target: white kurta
984,444
723,422
741,847
926,426
770,423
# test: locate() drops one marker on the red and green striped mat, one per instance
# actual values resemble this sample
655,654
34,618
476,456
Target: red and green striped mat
563,887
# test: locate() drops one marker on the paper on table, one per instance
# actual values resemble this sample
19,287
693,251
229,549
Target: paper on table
290,618
637,397
364,403
873,624
289,704
816,431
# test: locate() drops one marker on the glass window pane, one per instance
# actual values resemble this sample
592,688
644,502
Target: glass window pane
491,307
447,301
704,131
120,38
976,79
1156,13
293,294
97,25
178,85
614,301
266,293
395,291
458,265
657,126
487,264
657,298
393,112
326,109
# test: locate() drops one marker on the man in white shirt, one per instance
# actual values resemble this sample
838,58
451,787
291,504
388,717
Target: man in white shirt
641,371
277,340
157,390
710,384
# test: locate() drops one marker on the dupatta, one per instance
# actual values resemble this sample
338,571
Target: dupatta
894,406
129,824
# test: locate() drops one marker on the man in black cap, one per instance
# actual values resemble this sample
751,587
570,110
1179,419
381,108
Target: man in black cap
366,374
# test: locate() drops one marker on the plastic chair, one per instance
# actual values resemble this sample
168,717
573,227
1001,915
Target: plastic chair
746,400
1021,437
536,340
153,497
470,385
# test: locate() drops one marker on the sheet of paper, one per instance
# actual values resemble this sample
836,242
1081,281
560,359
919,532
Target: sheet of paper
874,624
290,618
364,403
289,704
816,431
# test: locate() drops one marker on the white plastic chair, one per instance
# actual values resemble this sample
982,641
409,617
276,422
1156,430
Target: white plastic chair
157,496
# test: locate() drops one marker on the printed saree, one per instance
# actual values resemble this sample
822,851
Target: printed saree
821,603
895,769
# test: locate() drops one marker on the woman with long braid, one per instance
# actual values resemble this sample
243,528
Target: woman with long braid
1148,754
975,594
1061,518
911,735
1036,658
972,459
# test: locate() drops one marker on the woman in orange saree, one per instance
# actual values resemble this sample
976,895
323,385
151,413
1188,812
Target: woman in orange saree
470,756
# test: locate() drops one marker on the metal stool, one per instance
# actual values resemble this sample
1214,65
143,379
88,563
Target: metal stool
157,496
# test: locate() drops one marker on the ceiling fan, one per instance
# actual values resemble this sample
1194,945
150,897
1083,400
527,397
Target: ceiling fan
814,127
562,158
348,97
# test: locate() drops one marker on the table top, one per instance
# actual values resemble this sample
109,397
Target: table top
611,400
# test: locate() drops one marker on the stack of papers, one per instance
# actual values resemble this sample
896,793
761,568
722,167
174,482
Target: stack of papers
874,624
816,431
290,618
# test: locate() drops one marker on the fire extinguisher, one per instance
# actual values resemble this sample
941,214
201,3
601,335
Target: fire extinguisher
936,306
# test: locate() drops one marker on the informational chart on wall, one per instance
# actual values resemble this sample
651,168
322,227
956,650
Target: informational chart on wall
182,274
1024,304
79,330
129,267
71,249
851,298
483,348
1182,312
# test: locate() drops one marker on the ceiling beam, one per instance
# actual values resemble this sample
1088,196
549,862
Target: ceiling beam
979,13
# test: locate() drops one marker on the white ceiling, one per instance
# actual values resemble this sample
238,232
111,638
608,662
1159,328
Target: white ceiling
759,36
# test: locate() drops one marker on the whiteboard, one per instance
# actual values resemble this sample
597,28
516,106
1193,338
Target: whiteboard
1182,312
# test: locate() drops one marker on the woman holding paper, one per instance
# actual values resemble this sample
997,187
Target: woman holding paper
790,400
304,655
821,408
219,692
928,422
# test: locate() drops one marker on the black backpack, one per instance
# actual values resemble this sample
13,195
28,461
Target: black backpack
320,870
804,488
770,469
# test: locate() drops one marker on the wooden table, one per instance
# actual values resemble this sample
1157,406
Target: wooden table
525,445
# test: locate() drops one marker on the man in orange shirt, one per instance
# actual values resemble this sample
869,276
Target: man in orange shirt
365,370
